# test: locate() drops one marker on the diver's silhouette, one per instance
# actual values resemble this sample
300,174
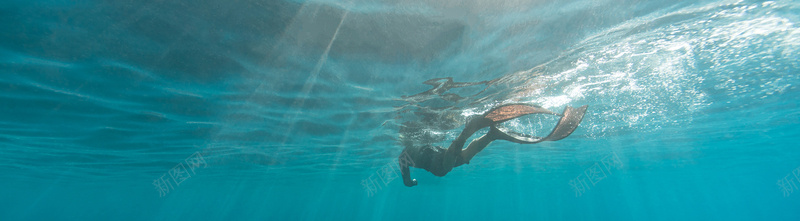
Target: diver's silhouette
440,161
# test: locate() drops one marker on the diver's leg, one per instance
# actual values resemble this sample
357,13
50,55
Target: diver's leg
566,125
495,115
476,146
455,148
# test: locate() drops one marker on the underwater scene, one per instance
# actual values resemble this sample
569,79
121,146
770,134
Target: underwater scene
399,110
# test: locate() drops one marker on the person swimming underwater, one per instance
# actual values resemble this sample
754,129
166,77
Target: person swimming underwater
440,161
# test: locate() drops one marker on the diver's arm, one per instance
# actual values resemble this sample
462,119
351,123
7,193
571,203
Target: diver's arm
405,160
407,176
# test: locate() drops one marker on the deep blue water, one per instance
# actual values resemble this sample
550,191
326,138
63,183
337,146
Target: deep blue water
297,107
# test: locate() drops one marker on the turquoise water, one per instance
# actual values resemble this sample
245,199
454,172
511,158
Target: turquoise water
297,110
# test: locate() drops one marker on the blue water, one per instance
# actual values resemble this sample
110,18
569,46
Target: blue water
292,110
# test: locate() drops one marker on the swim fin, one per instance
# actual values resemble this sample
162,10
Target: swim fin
566,125
510,111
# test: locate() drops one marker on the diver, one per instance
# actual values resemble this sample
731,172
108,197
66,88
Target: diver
440,161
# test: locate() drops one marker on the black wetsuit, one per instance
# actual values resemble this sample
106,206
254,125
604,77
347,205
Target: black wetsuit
430,158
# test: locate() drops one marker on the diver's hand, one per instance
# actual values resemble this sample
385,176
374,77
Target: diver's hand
410,183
